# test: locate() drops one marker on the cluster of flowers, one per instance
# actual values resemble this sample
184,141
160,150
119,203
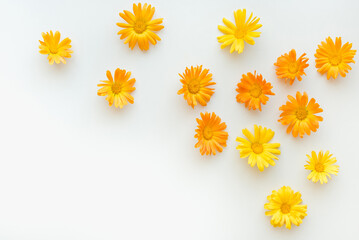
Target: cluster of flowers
299,113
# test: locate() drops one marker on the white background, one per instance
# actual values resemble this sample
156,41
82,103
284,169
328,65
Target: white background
72,167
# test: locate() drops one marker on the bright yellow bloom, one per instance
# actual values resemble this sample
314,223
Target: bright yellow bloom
257,148
55,49
285,208
210,134
300,115
289,67
321,166
242,30
333,58
118,91
195,86
140,27
252,91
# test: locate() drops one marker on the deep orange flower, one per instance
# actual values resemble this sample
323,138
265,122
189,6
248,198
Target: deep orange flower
300,115
289,67
210,134
253,91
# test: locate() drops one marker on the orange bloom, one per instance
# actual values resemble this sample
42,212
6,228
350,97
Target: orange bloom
289,67
210,134
300,115
195,86
333,58
252,91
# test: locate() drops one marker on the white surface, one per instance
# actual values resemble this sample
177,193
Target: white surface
72,167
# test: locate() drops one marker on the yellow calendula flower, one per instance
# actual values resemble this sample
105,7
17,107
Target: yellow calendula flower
333,58
242,30
321,166
290,68
300,115
211,134
57,51
196,84
117,90
253,90
285,208
140,27
257,147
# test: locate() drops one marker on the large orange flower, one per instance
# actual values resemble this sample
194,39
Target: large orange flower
210,134
333,58
195,86
253,91
289,67
300,115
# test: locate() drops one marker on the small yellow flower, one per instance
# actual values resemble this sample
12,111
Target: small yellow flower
285,208
242,30
321,166
290,68
333,58
55,49
196,86
118,91
257,148
140,27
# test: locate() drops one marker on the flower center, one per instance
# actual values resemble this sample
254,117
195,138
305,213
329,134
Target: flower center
285,208
240,33
319,167
140,26
335,60
293,67
257,148
256,91
116,88
301,113
207,133
53,49
194,86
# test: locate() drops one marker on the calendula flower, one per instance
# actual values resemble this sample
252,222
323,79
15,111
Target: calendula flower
289,67
196,86
57,51
333,58
321,166
257,148
253,91
285,208
300,115
118,90
242,30
210,134
140,27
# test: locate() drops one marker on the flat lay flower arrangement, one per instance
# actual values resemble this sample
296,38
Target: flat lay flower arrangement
300,114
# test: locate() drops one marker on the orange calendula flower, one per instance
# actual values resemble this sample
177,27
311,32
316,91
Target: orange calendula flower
196,84
253,91
210,134
289,67
333,58
57,51
140,27
300,115
117,90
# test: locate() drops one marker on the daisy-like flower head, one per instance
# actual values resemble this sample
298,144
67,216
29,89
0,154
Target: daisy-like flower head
196,84
300,115
285,208
57,51
140,27
118,90
210,134
289,67
253,90
257,148
321,166
333,58
242,30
